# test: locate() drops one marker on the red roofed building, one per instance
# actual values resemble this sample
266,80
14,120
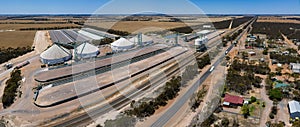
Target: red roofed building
231,100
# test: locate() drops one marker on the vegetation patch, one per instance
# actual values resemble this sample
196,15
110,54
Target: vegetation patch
274,30
241,78
10,91
10,53
145,109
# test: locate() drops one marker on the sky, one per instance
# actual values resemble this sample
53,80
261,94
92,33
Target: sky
161,6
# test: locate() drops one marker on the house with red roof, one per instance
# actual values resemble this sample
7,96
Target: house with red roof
231,100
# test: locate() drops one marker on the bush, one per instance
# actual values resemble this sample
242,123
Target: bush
225,122
245,111
274,110
271,115
252,99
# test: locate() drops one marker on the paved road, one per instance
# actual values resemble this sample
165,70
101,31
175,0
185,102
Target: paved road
173,110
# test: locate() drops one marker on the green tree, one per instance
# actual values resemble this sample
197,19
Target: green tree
275,94
245,111
252,99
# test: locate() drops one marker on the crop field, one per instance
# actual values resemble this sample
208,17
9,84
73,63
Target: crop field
16,39
24,26
138,26
279,20
22,34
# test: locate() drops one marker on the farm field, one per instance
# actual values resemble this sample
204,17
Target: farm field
278,20
138,26
22,26
16,39
152,25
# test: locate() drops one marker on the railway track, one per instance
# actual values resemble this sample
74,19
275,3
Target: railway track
121,79
122,100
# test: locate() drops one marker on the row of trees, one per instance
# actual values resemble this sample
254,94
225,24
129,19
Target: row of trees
170,91
7,54
203,61
231,38
145,109
111,31
11,87
49,28
196,99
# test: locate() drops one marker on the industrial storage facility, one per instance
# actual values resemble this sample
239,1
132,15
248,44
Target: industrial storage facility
99,33
121,44
78,36
55,54
67,36
93,36
145,40
87,50
201,40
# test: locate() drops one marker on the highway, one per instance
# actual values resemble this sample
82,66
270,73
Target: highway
101,110
173,110
179,103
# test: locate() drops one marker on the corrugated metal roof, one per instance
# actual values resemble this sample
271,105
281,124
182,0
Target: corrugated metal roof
55,52
294,106
233,99
93,36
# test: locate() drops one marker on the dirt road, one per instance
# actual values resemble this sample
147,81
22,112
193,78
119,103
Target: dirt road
41,41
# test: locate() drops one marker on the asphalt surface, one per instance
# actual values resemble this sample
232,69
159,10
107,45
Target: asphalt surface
175,108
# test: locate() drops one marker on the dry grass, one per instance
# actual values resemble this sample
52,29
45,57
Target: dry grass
137,26
16,39
22,38
147,26
277,20
19,26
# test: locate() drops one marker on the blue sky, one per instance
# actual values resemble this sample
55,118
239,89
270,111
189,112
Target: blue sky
165,6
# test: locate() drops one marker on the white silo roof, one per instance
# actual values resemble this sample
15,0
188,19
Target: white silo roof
122,42
144,39
55,52
86,48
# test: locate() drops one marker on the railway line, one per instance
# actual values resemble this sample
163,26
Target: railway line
162,120
99,66
119,102
137,70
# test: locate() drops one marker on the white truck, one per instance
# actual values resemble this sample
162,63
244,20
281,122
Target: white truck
212,68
